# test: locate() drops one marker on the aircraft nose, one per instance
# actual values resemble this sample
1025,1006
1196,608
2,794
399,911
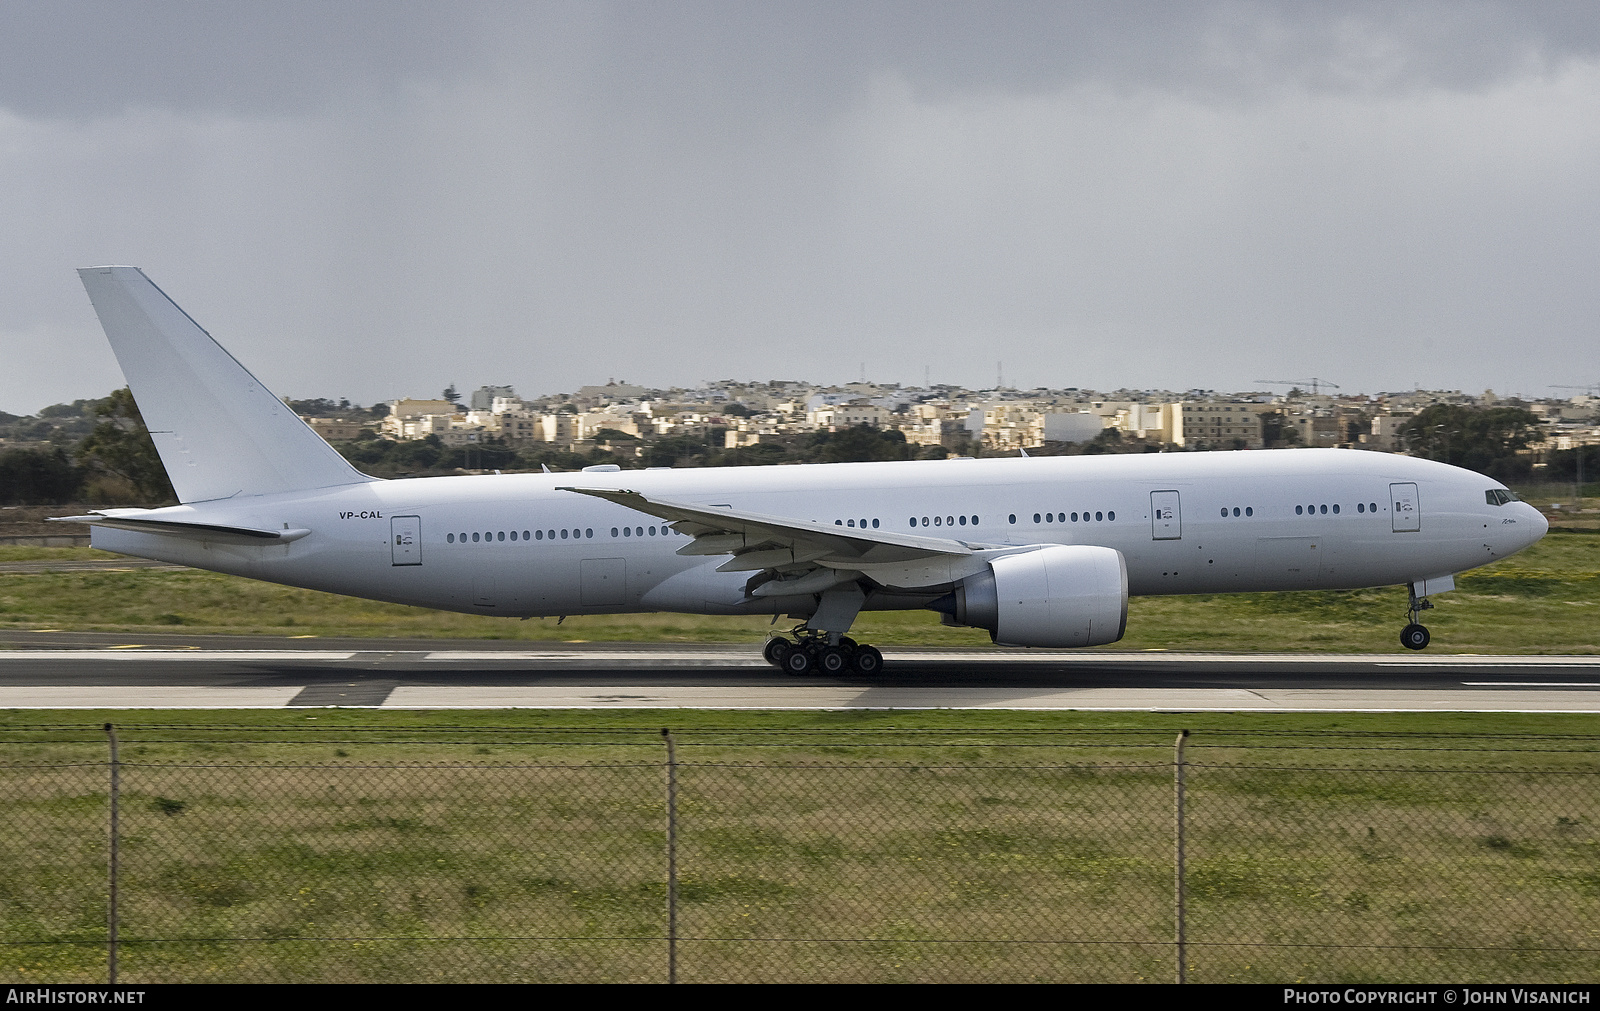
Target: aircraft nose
1540,525
1530,527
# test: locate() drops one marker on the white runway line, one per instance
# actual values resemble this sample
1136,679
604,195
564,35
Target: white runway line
1532,684
144,697
1109,699
1375,659
791,696
734,658
751,658
675,658
23,656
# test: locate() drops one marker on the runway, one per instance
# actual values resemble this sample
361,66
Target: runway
107,671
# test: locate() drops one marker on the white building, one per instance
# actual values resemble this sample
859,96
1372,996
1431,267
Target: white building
837,416
1076,426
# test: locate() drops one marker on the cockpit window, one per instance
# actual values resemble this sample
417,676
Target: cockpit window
1499,496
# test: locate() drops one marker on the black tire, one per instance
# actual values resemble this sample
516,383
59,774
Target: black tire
847,642
833,660
797,661
868,660
1414,636
775,650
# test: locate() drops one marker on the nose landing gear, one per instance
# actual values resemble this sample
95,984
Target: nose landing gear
1415,635
810,650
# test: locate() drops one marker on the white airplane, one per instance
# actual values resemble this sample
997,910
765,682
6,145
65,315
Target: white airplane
1040,552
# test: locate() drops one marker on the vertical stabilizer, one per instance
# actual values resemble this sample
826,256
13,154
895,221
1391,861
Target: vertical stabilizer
220,433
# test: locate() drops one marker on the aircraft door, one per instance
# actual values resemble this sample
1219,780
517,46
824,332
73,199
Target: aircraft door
1407,513
603,582
1165,518
405,539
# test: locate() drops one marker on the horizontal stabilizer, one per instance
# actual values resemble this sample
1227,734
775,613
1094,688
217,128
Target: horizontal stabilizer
220,433
213,532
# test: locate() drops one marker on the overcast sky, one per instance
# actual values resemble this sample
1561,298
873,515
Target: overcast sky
372,200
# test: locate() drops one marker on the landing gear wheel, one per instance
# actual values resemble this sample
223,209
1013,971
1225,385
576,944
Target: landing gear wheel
833,660
847,642
1414,636
775,650
868,660
797,661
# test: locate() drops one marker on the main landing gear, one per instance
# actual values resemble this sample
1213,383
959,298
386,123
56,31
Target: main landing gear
810,651
1415,635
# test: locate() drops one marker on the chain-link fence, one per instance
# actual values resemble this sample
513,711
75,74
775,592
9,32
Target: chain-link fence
445,854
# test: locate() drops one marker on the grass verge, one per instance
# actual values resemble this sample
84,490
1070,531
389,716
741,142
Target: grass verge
938,846
1544,600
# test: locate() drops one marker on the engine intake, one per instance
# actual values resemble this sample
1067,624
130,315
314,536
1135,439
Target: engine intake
1057,595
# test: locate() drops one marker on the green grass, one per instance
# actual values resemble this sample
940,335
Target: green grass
13,553
1544,600
938,846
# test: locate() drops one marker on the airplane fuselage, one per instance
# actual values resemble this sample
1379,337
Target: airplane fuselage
518,545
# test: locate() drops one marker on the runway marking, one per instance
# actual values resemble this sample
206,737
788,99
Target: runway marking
790,696
131,653
1008,656
739,658
144,697
743,657
1532,684
737,678
678,658
361,694
781,695
1499,661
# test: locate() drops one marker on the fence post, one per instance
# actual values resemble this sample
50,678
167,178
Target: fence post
111,869
672,857
1178,893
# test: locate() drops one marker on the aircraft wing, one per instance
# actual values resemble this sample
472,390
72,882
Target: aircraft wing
803,556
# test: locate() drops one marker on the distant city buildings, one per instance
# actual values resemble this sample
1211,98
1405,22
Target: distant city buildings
622,418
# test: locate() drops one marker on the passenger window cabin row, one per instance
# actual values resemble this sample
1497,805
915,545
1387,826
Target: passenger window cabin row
535,535
1322,510
1108,516
564,533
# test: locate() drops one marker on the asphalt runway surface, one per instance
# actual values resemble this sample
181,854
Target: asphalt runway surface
110,671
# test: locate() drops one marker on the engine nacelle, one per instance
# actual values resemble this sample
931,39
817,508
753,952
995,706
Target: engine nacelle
1057,595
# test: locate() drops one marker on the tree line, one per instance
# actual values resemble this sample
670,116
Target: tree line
112,462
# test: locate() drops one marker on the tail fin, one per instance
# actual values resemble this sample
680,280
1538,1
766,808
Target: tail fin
220,433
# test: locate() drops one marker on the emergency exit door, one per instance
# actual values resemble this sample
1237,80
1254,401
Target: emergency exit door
1407,514
1165,517
405,539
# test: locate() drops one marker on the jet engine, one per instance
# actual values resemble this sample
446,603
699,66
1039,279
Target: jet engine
1056,595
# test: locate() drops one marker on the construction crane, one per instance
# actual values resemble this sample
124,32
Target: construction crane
1591,389
1315,383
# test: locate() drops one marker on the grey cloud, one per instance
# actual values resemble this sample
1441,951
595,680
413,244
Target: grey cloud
373,200
719,61
86,58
